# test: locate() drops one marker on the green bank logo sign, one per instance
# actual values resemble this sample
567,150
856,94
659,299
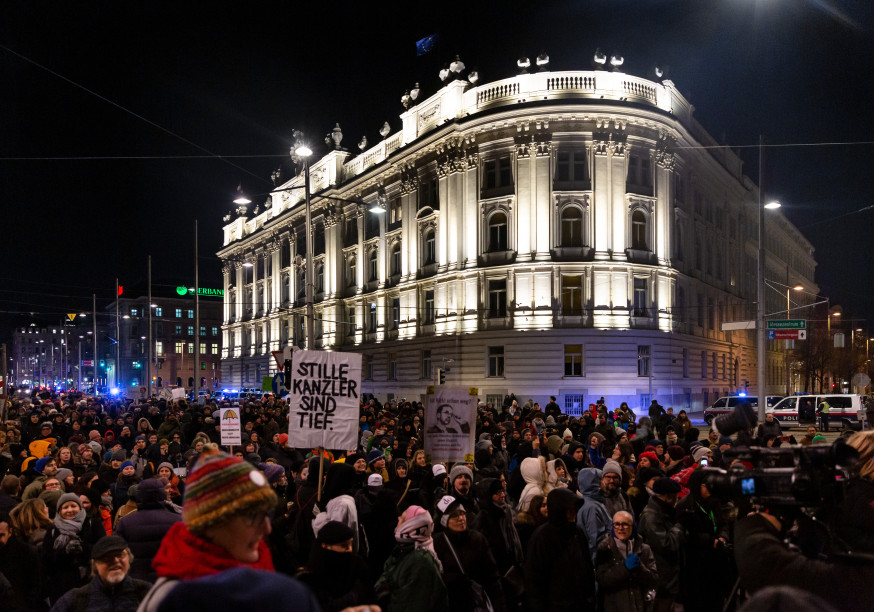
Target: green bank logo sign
204,291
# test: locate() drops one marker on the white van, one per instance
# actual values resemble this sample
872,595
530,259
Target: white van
800,410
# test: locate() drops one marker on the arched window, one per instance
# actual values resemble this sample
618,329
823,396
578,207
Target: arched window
395,259
429,254
373,266
639,231
571,227
498,232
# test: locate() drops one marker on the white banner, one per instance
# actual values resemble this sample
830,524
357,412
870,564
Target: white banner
324,400
450,424
178,393
229,426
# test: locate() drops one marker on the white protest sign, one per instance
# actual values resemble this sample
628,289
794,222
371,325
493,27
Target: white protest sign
229,425
450,425
177,394
324,399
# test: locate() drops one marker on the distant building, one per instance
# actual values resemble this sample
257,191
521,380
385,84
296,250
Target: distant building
573,233
42,354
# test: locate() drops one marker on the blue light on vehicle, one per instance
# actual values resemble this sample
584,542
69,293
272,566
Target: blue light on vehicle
113,391
742,394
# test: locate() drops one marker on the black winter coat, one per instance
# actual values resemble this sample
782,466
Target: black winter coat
477,564
559,574
144,529
621,588
666,537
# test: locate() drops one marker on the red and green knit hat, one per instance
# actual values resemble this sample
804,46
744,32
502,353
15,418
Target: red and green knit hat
221,486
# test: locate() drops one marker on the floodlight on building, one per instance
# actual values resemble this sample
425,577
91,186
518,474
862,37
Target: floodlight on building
542,60
773,204
616,61
457,66
523,63
600,57
473,77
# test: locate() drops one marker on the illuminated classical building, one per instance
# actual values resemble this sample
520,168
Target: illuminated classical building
575,234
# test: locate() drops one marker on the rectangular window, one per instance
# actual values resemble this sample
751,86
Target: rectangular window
643,365
159,329
724,376
190,330
428,195
572,295
190,314
573,404
429,313
704,365
203,330
396,211
178,313
215,331
392,366
214,348
159,312
190,348
396,312
367,367
133,312
496,361
571,167
496,173
178,348
573,360
159,348
497,299
713,365
700,310
371,317
426,364
685,363
350,321
640,297
178,329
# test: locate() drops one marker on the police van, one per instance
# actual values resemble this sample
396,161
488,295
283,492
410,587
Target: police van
727,404
800,410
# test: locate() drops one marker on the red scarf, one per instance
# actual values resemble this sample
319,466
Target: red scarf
184,555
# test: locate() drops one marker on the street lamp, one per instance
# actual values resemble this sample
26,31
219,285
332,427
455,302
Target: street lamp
761,353
786,363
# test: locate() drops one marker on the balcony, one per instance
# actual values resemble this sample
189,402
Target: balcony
584,253
496,258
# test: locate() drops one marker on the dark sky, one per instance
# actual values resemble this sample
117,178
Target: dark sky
114,115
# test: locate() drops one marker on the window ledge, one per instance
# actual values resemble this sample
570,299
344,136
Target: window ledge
584,253
497,258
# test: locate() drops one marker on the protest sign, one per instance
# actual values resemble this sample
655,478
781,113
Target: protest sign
449,429
324,400
178,394
229,426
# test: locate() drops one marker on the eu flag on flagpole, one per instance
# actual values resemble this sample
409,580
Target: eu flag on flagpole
426,45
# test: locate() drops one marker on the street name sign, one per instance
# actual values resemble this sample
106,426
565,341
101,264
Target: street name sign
787,334
787,324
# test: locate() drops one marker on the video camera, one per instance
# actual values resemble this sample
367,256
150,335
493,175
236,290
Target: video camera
784,480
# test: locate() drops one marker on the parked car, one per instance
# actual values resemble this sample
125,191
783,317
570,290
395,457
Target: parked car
726,405
800,410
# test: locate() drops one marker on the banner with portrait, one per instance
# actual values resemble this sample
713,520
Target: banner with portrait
450,425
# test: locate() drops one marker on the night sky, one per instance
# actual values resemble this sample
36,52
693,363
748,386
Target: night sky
122,122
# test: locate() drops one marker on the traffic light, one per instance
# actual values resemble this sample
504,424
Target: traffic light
441,376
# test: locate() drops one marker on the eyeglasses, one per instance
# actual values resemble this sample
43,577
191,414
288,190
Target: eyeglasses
110,557
255,518
622,525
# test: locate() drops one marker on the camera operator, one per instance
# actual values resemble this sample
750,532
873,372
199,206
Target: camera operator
853,524
763,561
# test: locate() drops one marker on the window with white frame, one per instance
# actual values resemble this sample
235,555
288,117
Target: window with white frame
572,227
639,231
371,317
497,298
571,295
496,361
395,211
396,312
426,364
429,311
643,364
350,321
497,232
178,348
640,297
496,173
429,250
159,348
395,264
373,266
320,278
392,366
571,168
351,278
573,360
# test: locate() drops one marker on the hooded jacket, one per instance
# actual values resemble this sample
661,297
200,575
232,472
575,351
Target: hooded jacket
622,588
144,529
533,470
593,517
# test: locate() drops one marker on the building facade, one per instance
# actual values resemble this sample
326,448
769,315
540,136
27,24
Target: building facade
576,234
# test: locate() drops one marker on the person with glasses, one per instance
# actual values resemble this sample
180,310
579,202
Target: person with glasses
111,588
625,568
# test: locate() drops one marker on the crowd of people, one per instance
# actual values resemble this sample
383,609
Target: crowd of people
116,505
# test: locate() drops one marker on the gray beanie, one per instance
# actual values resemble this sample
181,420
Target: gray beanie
119,455
460,470
612,467
66,497
63,474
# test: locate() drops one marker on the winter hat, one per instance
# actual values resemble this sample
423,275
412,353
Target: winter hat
818,438
132,492
653,458
676,453
460,470
106,545
665,486
656,443
374,455
272,471
445,507
119,455
95,446
165,464
374,481
140,437
335,532
353,458
645,475
612,467
46,425
40,464
438,470
724,440
66,497
221,486
567,434
63,474
700,452
283,438
125,464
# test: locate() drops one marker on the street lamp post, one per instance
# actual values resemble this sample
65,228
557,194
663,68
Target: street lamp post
786,364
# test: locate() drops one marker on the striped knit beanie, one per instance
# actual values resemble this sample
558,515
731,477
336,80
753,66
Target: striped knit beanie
221,486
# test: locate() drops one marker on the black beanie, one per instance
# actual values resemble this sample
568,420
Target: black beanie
335,532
